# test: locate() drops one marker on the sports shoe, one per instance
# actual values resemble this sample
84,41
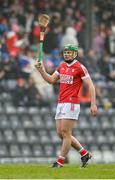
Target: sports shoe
85,159
56,165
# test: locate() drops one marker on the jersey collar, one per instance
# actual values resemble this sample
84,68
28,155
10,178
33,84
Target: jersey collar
71,63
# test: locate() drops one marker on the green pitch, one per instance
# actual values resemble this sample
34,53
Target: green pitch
37,171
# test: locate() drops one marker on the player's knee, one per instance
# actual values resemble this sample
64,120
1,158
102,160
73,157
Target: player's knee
65,133
59,134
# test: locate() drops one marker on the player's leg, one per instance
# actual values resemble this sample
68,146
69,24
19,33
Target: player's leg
71,110
85,156
74,142
66,132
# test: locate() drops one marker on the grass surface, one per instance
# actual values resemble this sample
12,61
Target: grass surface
40,171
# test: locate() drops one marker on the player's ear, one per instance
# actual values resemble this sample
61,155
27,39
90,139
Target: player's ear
75,54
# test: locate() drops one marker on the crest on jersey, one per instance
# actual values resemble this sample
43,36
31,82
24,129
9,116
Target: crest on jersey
62,69
73,70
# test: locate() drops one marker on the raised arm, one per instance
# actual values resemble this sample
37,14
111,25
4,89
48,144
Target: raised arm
51,79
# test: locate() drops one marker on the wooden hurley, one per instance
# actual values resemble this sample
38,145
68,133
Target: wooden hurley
43,20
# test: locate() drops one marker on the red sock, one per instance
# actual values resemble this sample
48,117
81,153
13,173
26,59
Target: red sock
83,152
60,160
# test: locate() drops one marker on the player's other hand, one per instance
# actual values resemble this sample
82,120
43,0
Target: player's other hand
93,110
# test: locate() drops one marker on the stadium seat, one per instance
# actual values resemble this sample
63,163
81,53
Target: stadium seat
4,123
11,84
33,110
9,135
37,121
95,124
44,138
90,139
105,147
97,156
94,147
111,137
26,150
2,140
10,109
108,156
1,108
49,121
74,157
45,111
27,123
83,124
101,139
113,123
3,151
37,150
6,96
57,148
32,136
22,110
106,124
21,136
49,150
14,150
14,121
54,137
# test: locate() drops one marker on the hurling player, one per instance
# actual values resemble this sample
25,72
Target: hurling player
71,75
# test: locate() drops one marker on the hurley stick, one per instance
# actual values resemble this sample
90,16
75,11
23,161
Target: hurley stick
43,22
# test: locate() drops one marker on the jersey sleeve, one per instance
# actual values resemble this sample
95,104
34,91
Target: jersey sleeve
83,72
58,70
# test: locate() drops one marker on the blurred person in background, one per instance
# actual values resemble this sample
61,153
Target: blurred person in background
9,68
33,96
42,86
98,42
69,37
107,67
92,62
19,94
53,36
55,58
72,75
110,41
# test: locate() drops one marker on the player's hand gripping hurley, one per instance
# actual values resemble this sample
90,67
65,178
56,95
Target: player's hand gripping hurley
43,22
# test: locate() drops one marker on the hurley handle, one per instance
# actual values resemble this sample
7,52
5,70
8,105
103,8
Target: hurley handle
42,32
40,51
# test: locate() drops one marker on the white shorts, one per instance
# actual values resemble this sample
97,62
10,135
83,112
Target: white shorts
67,111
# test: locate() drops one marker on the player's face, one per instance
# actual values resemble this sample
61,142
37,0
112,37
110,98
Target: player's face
69,55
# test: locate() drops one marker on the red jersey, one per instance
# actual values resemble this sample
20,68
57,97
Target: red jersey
71,76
